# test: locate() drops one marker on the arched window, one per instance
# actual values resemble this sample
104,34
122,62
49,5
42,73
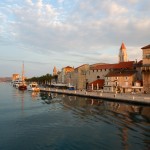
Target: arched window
98,77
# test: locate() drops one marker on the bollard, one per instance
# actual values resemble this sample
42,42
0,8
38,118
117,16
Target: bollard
100,94
75,92
133,97
85,93
114,95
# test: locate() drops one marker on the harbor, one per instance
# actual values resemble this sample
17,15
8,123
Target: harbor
75,75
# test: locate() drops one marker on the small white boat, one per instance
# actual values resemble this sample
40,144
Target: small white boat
33,87
16,83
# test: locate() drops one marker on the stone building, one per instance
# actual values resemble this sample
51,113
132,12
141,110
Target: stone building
121,81
63,73
146,68
15,77
100,71
77,78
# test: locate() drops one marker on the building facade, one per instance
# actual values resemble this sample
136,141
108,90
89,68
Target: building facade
63,73
15,77
100,71
119,81
77,78
146,68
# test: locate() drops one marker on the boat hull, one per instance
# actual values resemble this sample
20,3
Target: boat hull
22,87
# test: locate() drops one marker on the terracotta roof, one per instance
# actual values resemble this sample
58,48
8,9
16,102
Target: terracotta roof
121,65
68,67
118,74
140,62
100,82
122,46
146,47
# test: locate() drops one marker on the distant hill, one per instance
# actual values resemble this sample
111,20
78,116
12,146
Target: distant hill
5,79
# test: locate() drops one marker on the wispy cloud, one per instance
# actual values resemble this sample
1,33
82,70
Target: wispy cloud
73,30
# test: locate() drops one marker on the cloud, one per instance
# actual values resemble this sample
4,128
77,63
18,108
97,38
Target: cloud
83,27
29,2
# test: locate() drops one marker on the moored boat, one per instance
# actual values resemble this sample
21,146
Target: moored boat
33,87
23,85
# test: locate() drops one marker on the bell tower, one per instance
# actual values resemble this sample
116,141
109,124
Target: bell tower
54,71
123,53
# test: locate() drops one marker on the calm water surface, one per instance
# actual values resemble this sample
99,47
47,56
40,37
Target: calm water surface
70,123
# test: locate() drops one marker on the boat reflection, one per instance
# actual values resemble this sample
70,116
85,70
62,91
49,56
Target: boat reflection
50,98
34,95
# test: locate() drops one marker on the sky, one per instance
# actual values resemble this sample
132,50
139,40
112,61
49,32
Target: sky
48,33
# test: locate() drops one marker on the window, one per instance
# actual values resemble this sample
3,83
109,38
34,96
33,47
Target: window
147,56
98,77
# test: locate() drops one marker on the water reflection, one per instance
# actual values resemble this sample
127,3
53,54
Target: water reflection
130,122
70,122
50,98
99,106
34,95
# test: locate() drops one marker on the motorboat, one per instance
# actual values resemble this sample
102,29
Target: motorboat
33,87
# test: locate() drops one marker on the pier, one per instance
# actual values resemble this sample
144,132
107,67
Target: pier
143,99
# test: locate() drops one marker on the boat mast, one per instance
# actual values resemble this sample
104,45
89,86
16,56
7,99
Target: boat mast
23,71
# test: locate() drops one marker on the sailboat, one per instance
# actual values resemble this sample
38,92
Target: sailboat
23,85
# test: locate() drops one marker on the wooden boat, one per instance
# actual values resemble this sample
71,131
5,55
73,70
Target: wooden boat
23,85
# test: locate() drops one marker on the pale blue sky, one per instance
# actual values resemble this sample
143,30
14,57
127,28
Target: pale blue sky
48,33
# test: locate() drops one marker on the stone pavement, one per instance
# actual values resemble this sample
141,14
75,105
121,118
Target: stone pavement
120,97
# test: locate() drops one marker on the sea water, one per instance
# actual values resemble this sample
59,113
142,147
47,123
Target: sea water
31,122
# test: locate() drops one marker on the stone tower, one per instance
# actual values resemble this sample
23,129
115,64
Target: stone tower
123,54
54,71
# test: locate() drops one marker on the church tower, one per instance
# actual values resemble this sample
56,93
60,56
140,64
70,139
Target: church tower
123,54
54,71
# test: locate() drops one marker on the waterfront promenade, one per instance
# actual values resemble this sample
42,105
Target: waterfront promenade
119,97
